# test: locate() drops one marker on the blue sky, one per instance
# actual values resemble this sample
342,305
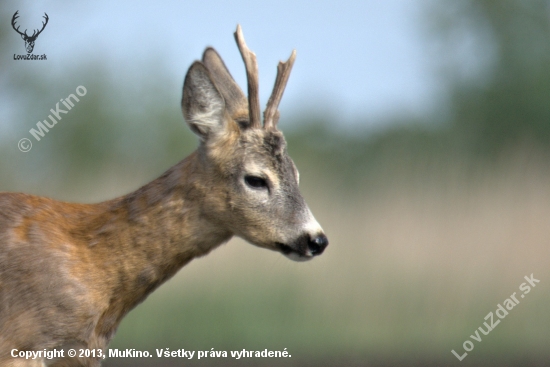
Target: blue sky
364,61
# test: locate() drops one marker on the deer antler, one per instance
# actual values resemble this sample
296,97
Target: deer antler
43,26
271,113
251,65
34,34
13,19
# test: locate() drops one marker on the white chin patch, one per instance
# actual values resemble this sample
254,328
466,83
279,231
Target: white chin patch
296,257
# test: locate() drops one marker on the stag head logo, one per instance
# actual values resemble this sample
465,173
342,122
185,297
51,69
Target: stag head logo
29,40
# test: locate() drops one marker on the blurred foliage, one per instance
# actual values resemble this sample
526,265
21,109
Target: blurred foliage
498,104
504,102
493,58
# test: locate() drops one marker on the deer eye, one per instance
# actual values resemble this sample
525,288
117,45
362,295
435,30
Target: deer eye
255,182
243,123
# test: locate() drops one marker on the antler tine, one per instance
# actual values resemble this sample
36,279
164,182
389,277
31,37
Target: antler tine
271,113
251,65
13,20
44,23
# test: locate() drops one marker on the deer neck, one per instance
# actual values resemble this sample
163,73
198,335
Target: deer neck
145,237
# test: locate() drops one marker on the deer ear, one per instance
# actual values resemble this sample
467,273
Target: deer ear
202,104
233,95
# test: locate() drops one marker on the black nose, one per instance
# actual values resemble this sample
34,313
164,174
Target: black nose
317,244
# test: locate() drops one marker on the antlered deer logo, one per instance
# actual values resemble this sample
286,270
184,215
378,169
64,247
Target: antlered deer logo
29,40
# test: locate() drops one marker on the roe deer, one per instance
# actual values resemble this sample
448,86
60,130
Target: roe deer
70,272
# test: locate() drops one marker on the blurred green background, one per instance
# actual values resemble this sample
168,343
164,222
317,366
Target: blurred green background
433,220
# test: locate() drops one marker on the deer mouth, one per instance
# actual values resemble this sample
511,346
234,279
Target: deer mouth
304,248
285,249
294,254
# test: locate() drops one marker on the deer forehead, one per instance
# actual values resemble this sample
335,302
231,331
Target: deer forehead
266,155
256,152
264,145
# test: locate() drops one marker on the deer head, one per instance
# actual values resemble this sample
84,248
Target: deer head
253,181
29,40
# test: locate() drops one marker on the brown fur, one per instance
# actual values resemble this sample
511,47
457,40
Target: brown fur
70,272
